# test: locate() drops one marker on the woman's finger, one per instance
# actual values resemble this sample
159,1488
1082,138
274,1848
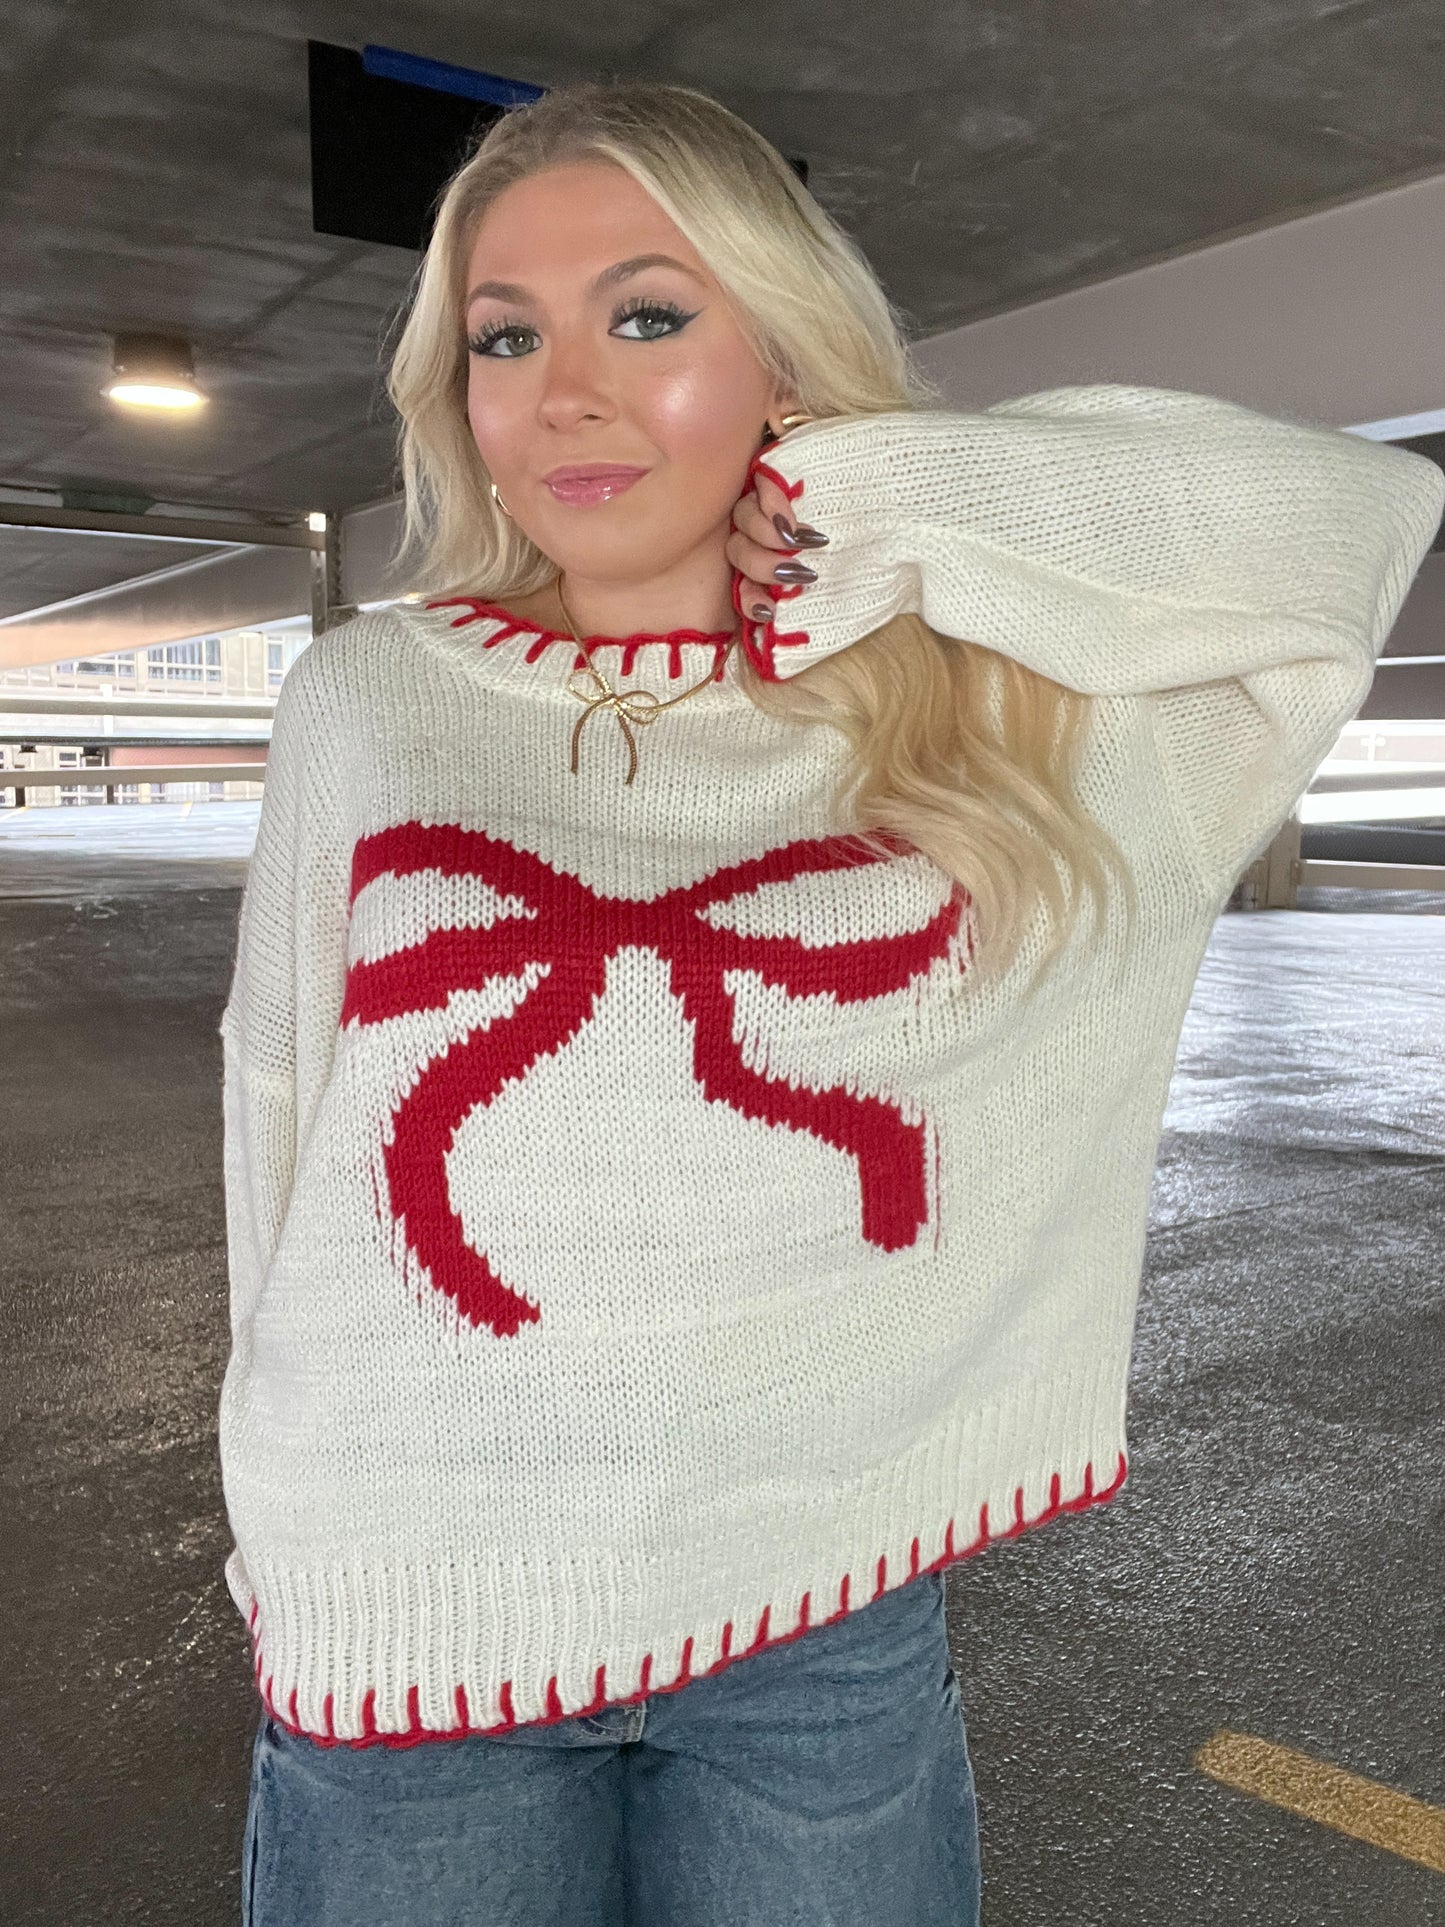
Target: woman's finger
760,563
758,555
770,500
757,544
756,589
756,526
754,513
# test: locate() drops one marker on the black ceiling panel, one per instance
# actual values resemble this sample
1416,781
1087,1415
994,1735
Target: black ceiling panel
382,150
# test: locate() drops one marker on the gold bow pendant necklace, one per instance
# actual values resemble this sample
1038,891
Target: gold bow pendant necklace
633,708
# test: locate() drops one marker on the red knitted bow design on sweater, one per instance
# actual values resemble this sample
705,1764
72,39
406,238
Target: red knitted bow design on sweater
571,931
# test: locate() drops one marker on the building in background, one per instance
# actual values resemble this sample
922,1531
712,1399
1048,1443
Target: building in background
244,665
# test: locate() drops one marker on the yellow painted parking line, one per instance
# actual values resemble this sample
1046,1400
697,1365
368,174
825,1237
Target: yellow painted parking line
1363,1809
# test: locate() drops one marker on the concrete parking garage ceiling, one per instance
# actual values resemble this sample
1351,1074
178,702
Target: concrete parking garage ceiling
42,566
154,176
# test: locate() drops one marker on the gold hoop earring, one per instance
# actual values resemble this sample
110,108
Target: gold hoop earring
785,422
499,502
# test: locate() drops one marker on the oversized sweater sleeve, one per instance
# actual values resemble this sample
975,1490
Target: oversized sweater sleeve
285,985
1235,573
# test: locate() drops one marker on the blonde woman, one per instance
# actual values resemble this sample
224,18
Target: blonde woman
705,999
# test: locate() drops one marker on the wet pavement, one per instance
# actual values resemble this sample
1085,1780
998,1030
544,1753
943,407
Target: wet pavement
1273,1566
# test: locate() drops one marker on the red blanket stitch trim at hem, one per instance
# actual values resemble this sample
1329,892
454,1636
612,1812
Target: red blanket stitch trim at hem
416,1734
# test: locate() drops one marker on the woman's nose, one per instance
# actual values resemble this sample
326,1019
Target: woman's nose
574,382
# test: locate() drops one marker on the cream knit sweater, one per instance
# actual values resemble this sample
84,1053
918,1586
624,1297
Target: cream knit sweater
640,1250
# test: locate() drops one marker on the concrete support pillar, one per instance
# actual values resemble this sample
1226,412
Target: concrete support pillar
1271,881
327,607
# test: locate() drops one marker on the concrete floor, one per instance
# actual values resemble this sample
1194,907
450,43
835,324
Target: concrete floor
1274,1565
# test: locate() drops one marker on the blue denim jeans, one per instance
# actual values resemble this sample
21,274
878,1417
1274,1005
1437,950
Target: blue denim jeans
823,1782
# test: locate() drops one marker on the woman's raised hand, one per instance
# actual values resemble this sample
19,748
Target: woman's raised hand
763,547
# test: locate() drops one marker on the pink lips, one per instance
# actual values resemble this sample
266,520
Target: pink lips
582,487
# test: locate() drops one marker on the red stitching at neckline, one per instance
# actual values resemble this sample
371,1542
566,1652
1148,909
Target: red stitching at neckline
759,649
543,638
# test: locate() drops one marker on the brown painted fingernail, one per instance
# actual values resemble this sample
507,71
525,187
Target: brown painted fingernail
810,538
780,523
762,612
794,572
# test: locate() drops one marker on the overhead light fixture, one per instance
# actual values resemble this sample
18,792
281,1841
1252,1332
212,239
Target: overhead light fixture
153,371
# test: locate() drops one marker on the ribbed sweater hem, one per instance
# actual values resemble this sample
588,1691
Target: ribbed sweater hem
391,1652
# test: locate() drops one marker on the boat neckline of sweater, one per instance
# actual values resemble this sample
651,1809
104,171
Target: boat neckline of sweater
509,625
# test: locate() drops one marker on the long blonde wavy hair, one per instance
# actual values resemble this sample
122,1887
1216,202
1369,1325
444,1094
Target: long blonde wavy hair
964,752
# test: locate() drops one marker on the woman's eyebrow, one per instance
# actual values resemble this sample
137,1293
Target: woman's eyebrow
619,271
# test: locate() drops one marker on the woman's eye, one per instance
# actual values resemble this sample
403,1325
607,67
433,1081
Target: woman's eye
654,310
647,313
481,344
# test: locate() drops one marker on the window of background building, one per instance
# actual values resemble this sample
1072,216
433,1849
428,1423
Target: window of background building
71,792
198,661
86,668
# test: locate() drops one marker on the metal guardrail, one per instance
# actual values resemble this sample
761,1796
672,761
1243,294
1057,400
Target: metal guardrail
1279,871
1378,776
116,776
66,702
1317,870
1270,882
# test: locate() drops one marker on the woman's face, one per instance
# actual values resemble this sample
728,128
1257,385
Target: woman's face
648,369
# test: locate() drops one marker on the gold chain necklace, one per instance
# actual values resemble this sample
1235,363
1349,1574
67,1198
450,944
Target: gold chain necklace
629,706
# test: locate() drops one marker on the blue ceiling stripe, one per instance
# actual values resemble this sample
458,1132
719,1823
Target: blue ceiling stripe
387,63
